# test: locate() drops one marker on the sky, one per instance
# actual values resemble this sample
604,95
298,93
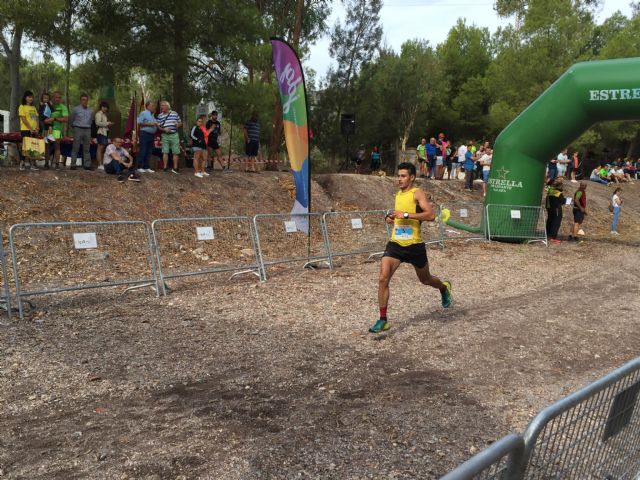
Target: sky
408,19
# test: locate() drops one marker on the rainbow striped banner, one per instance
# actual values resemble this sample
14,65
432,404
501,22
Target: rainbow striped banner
296,128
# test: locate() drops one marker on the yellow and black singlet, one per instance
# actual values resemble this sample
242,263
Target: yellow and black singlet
406,232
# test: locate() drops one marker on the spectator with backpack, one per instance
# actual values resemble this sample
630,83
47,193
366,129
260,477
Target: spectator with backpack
579,210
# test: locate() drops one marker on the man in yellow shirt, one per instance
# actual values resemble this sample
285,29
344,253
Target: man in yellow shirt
412,207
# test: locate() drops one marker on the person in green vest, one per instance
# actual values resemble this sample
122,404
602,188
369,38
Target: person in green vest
421,150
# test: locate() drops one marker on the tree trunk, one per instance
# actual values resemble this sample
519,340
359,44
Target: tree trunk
67,57
634,147
179,69
13,57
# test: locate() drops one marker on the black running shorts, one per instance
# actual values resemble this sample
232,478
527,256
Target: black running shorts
415,254
578,215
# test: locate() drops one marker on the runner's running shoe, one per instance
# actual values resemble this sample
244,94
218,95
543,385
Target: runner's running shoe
447,298
380,326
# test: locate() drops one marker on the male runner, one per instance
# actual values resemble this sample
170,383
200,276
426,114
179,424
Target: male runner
411,208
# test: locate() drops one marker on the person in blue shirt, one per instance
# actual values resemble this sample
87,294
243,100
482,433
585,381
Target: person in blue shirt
375,159
469,164
148,128
432,152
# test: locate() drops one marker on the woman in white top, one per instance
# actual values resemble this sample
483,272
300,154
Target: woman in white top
616,204
103,124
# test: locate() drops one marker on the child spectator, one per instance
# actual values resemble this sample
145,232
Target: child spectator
616,206
28,124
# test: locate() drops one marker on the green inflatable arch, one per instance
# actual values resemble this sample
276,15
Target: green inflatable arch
587,93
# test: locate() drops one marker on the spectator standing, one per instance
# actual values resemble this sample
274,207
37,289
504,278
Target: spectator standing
554,203
28,124
579,210
360,154
44,112
116,159
421,152
376,159
80,120
168,123
485,161
573,166
469,165
432,153
462,150
562,162
616,207
102,138
453,162
59,116
441,156
148,128
552,170
213,142
199,135
251,130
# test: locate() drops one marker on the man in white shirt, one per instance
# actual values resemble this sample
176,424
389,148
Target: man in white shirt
563,163
116,159
462,150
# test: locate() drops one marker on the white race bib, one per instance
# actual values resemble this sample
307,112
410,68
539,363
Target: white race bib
403,232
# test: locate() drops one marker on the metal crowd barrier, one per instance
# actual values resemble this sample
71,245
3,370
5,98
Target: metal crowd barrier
199,246
5,295
493,463
516,222
471,214
80,255
289,238
593,433
356,232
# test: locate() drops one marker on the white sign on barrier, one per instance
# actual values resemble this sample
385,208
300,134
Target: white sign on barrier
85,240
356,224
290,226
515,214
205,233
464,213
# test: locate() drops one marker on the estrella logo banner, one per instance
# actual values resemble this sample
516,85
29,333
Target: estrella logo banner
294,109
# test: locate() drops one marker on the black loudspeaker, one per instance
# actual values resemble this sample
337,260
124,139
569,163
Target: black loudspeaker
347,124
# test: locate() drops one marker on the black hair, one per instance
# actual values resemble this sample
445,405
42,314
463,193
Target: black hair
104,104
214,112
26,94
408,166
